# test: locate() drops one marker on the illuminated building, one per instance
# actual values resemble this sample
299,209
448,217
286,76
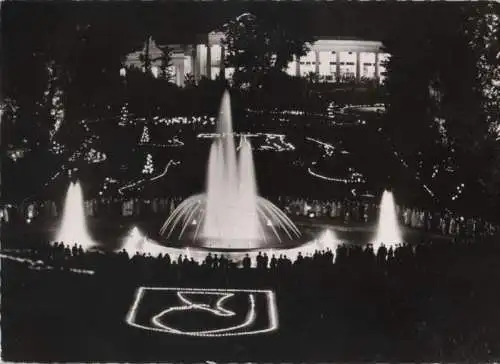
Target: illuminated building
335,60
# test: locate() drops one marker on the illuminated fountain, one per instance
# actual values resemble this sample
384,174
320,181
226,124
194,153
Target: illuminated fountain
328,239
134,241
388,230
73,228
230,215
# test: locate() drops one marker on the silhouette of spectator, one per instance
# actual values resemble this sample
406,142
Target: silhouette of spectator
208,260
246,261
274,262
265,261
260,261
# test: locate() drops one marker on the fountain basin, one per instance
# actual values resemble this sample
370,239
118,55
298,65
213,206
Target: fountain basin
188,221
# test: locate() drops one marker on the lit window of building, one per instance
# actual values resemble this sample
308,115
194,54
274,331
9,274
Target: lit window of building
216,51
308,63
327,65
367,65
332,59
347,61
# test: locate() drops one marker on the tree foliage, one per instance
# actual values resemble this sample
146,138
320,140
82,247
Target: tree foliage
442,102
482,31
259,46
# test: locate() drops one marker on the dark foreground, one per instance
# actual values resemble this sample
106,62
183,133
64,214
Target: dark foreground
437,302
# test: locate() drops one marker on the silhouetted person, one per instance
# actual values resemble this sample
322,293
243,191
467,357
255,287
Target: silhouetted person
300,259
208,260
247,262
166,259
382,254
329,256
274,262
260,261
281,262
390,253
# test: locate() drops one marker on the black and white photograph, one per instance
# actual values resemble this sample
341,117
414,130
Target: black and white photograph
250,181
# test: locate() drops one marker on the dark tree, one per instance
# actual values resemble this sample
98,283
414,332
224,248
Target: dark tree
166,63
258,46
441,96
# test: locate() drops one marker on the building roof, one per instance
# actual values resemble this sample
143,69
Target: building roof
332,37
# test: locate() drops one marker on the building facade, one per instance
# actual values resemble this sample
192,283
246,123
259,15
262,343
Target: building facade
328,59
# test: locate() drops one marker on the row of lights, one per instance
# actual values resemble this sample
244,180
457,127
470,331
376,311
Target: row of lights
223,294
460,190
176,120
357,107
174,142
278,146
204,120
142,180
85,126
354,178
246,135
275,142
281,112
435,171
403,162
57,112
329,149
37,265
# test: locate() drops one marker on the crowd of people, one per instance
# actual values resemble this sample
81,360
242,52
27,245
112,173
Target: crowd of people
433,301
64,255
344,211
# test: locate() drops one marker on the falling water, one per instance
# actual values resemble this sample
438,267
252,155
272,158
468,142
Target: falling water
231,206
328,239
73,228
388,231
247,192
214,179
230,214
134,241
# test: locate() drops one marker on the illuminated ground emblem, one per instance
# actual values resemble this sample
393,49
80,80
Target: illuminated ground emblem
204,312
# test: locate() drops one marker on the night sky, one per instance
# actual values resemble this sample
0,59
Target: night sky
87,32
179,20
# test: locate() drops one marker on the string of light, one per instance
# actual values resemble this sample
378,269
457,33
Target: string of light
242,329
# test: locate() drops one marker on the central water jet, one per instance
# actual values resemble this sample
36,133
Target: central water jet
230,214
231,207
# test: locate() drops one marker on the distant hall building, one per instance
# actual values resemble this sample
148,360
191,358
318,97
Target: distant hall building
330,59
